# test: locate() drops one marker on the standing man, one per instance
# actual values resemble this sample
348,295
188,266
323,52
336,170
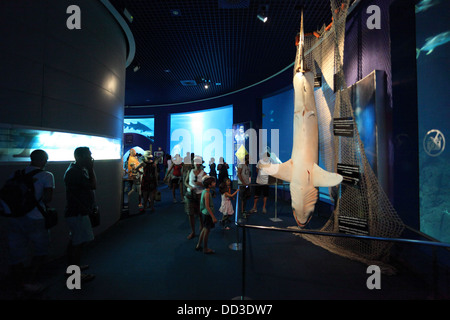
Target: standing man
262,187
30,228
244,179
80,184
159,159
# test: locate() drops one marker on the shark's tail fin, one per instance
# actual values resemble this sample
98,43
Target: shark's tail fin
299,65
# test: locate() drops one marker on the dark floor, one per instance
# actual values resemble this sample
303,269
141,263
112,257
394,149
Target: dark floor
147,256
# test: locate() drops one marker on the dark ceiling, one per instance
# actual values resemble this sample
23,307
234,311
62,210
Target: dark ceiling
221,41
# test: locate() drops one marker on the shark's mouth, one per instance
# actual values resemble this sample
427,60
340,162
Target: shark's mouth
300,224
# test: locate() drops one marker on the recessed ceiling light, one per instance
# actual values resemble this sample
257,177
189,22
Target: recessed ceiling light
262,13
128,15
175,12
167,70
262,17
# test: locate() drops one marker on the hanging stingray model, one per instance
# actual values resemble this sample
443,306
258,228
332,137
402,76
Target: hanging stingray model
302,170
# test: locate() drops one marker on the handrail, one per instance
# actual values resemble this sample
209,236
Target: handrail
432,242
317,233
331,234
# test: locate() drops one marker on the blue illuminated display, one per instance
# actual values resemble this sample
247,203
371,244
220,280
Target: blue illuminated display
202,132
16,144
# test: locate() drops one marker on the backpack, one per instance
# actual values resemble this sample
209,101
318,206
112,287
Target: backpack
18,193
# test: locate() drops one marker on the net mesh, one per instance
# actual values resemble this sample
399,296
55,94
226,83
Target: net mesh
366,202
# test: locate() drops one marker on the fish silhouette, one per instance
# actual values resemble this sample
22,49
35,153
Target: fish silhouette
137,126
432,42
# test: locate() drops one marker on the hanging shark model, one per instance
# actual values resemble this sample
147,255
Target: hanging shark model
302,170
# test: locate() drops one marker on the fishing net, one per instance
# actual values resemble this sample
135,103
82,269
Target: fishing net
359,209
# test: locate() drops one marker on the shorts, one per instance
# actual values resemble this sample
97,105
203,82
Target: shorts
208,222
175,181
262,189
23,231
80,229
192,206
245,192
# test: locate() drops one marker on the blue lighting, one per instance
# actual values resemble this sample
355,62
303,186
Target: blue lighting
16,144
202,132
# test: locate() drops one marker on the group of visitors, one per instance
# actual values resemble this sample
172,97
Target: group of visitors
199,195
142,176
197,188
29,215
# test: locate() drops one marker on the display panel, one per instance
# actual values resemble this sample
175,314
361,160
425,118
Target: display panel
278,113
16,144
203,133
433,63
138,132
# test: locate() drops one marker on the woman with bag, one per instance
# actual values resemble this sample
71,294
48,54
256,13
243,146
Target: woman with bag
174,175
149,181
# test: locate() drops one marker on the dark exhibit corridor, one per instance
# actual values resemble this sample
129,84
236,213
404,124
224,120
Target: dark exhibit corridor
147,257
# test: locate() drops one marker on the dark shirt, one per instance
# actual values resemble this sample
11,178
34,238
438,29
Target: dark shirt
80,197
149,179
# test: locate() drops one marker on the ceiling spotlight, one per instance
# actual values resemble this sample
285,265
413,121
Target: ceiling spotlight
128,15
136,68
262,17
175,12
262,10
206,83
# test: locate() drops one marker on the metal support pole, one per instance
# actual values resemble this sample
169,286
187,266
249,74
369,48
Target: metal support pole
243,262
244,241
276,219
236,246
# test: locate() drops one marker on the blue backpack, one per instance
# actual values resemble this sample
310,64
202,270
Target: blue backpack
18,193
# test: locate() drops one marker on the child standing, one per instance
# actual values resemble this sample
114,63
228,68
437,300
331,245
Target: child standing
207,210
226,207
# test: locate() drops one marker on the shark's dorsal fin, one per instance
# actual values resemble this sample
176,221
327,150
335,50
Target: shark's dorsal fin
281,171
322,178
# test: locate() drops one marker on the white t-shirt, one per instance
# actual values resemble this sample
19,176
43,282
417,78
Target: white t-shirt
262,178
43,180
192,183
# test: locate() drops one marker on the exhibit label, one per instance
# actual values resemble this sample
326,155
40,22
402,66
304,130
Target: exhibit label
343,127
350,173
353,225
